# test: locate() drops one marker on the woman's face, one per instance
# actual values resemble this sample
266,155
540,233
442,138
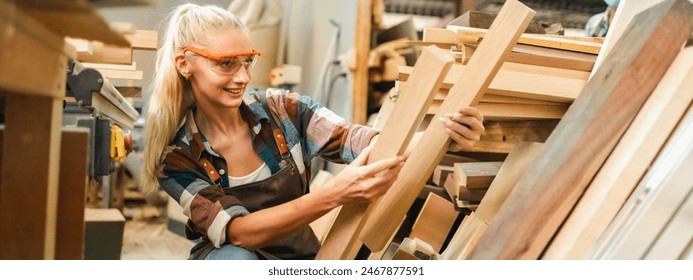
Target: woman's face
212,87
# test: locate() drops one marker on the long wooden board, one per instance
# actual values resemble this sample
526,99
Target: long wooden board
653,203
434,221
586,135
627,163
501,111
342,241
466,236
512,19
362,46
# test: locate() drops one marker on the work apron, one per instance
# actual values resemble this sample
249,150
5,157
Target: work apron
281,187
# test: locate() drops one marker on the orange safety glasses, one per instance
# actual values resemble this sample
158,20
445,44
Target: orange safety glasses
228,64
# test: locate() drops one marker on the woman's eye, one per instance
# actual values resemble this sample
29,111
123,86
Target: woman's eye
226,63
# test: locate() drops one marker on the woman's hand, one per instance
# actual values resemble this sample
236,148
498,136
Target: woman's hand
465,127
359,182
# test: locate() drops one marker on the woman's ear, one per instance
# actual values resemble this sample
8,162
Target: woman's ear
182,65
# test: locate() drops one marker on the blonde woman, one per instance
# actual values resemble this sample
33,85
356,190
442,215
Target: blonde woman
238,162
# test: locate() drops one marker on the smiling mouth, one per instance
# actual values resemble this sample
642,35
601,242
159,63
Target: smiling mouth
234,90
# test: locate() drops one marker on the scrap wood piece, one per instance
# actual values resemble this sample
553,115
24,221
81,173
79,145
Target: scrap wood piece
532,82
342,241
476,175
661,192
458,191
434,222
627,163
586,135
556,42
512,19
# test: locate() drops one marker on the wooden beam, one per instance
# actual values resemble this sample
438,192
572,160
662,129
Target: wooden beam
628,162
434,221
106,54
25,43
660,194
342,241
526,81
500,111
76,18
143,40
30,169
362,46
502,136
586,135
482,68
72,194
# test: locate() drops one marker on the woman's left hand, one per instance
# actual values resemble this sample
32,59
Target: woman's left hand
465,127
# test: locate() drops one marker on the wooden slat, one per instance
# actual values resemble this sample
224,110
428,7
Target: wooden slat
627,163
322,225
25,43
107,54
342,241
501,137
30,168
143,39
555,42
482,68
434,221
541,56
500,111
662,191
76,18
586,135
674,239
362,46
72,194
526,81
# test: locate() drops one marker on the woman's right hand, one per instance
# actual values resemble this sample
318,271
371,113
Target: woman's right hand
361,182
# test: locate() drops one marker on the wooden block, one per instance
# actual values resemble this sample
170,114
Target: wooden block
107,54
32,56
103,234
143,39
517,162
628,162
440,174
653,203
342,240
512,19
72,194
586,135
461,192
30,168
527,81
434,221
476,175
466,236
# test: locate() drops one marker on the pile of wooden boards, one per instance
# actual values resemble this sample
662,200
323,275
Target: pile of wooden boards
561,188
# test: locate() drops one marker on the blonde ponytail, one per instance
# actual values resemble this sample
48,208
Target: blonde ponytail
171,96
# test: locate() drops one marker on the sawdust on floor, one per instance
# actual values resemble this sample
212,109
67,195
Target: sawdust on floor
146,236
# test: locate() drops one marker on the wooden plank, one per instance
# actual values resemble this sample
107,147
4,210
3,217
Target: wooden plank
30,168
76,18
517,162
512,19
72,194
322,225
627,9
466,236
502,136
362,46
586,135
122,74
460,191
434,221
25,41
627,163
440,174
661,192
541,56
540,40
99,66
526,81
385,110
342,241
674,239
143,40
476,175
500,111
106,54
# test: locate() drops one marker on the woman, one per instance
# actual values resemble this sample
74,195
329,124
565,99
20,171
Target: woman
238,162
